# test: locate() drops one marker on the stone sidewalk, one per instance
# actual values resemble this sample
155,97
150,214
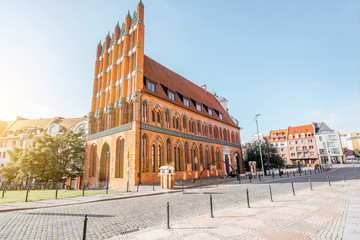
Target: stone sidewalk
327,212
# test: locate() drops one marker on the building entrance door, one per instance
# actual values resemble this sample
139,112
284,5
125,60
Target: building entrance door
227,168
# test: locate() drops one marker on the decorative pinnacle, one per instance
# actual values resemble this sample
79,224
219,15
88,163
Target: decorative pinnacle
141,3
108,35
117,25
99,43
128,15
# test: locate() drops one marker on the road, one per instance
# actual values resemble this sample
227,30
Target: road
118,217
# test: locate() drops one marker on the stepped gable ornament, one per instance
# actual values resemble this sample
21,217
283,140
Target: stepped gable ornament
134,19
122,31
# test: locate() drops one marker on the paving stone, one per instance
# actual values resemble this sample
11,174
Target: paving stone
228,231
153,235
284,235
305,227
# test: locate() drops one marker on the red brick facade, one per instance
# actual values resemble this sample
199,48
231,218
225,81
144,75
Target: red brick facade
145,116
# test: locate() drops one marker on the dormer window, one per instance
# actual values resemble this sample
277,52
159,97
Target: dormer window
151,86
221,116
186,102
211,112
171,95
198,107
290,136
275,134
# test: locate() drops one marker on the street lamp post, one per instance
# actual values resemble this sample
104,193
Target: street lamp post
262,162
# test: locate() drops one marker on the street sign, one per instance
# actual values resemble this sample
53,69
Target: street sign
349,152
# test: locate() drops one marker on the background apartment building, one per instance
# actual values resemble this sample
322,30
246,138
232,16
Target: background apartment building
328,143
350,140
278,139
22,131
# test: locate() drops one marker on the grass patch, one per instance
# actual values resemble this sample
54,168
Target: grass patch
13,196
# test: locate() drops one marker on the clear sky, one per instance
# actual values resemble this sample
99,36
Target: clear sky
292,61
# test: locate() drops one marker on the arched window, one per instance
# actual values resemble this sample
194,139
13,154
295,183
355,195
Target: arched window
232,137
184,124
207,156
144,110
201,156
168,151
178,165
199,127
210,130
187,159
176,122
213,156
192,126
153,152
216,133
218,159
153,118
167,118
228,135
119,162
144,146
237,138
194,160
158,117
160,158
92,170
302,135
220,133
224,135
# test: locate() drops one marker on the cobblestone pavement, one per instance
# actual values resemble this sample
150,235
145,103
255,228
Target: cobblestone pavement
119,217
328,212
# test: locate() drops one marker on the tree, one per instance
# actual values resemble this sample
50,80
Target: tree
270,156
51,158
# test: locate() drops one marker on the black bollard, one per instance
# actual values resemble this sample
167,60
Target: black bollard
83,193
182,184
247,197
153,185
168,215
344,177
273,175
259,177
3,193
239,178
85,226
300,172
137,188
305,172
293,189
27,194
270,193
287,173
310,172
328,180
211,207
294,173
250,179
310,184
56,191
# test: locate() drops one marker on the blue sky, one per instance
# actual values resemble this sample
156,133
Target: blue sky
292,61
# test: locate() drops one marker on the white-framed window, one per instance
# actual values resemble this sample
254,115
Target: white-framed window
283,149
198,107
309,140
221,116
275,134
331,144
312,154
332,137
151,86
302,135
276,139
303,141
309,134
292,148
320,138
311,147
299,155
291,142
282,144
324,144
293,154
282,138
211,112
186,102
290,136
171,95
284,155
335,151
296,135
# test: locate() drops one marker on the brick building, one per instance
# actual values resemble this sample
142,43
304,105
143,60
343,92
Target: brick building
144,116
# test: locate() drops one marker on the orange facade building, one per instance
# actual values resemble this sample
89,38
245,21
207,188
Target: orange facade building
278,139
144,116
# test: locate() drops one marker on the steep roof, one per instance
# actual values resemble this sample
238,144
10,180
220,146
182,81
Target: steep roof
30,123
4,125
69,123
321,127
167,79
278,135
